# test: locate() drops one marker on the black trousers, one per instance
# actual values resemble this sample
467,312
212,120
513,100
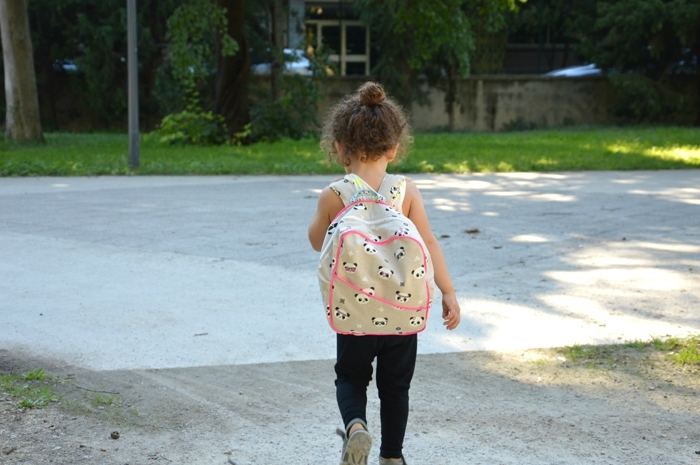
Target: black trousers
396,361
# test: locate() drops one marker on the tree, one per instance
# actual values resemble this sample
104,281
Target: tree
554,22
233,72
646,36
88,38
650,38
427,38
22,118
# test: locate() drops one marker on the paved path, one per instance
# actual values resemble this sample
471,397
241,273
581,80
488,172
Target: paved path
157,272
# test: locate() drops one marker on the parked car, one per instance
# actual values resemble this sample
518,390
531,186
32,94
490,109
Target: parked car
576,71
68,66
295,62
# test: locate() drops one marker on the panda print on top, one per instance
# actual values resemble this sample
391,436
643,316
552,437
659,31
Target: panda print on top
402,231
381,281
394,192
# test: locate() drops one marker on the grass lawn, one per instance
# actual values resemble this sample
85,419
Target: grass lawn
570,149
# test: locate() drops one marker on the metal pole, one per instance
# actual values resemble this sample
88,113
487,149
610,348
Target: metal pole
540,7
132,62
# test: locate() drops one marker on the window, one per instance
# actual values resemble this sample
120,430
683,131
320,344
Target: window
347,39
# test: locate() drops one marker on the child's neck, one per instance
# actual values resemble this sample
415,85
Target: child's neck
371,172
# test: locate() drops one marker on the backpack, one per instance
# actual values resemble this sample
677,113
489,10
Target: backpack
375,272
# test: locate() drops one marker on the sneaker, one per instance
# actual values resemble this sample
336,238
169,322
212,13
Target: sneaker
356,447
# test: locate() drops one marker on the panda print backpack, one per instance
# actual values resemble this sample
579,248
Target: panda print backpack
375,272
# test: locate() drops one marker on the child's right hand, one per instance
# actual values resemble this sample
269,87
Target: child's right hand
450,311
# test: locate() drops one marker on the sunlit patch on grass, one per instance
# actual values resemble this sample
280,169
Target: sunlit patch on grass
684,152
425,167
546,163
504,167
621,147
461,167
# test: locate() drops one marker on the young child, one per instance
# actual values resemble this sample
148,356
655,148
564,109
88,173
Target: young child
364,133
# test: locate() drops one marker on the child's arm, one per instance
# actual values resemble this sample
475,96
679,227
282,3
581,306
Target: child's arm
329,204
414,209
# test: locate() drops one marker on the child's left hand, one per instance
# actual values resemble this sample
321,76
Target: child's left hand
450,311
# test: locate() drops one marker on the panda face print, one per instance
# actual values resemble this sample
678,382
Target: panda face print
419,272
340,314
416,320
368,290
401,297
359,206
361,298
332,263
377,321
331,228
394,191
375,238
328,311
399,254
350,267
385,272
369,248
403,231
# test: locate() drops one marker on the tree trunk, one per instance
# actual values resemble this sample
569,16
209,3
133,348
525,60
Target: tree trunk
277,66
233,72
697,72
22,118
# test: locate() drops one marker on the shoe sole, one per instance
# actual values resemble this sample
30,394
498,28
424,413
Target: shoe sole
357,449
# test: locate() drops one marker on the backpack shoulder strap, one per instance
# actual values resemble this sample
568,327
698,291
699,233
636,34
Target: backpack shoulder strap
393,189
352,188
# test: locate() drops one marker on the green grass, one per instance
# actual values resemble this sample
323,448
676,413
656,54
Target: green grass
682,351
33,390
103,401
570,149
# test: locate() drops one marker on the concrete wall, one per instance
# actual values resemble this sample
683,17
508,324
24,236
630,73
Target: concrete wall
494,103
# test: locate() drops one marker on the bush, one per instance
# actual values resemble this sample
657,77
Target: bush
643,100
292,116
193,126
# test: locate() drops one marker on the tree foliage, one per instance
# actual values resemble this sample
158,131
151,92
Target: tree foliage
193,30
426,38
91,35
652,39
282,105
646,36
640,43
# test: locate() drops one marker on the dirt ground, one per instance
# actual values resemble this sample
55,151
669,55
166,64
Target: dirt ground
624,406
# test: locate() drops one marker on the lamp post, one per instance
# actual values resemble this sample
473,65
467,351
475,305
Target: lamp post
132,64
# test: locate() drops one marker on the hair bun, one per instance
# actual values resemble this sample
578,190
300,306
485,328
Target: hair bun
371,94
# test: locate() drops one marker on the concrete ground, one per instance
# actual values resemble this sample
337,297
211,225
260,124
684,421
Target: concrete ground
143,274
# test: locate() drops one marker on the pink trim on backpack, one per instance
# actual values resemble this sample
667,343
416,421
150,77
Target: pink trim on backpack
334,277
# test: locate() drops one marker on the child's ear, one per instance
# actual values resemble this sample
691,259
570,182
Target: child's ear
391,154
338,148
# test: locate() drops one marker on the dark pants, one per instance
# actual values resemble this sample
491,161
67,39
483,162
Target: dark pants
396,360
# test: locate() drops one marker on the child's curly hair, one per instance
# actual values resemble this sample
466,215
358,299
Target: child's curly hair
366,124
